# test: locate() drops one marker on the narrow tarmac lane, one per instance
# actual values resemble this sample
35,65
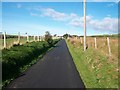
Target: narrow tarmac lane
55,70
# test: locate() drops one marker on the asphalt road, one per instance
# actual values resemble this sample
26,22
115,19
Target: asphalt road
55,70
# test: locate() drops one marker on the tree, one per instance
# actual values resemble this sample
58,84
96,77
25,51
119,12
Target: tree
55,35
48,38
65,36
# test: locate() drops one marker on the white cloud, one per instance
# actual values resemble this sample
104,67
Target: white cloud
73,15
54,14
107,23
79,21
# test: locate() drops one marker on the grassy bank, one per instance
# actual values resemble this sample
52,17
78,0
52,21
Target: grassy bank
95,69
18,58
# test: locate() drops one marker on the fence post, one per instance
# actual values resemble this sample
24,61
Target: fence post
34,38
18,37
4,39
68,37
43,38
37,38
81,40
27,38
40,38
108,41
95,43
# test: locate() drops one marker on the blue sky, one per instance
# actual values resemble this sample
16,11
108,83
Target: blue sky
59,18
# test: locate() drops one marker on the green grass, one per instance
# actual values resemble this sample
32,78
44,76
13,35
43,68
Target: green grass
11,41
18,58
94,68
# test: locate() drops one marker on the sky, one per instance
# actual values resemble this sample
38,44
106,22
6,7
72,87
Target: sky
34,18
60,0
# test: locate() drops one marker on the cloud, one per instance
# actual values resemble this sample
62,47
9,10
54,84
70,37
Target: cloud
79,21
109,24
106,24
53,14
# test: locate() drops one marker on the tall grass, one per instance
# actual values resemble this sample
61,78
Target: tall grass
102,45
97,69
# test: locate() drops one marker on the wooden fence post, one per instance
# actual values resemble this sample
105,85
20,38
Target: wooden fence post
76,37
108,41
43,38
34,38
40,38
68,37
18,37
81,40
95,43
4,39
37,38
27,38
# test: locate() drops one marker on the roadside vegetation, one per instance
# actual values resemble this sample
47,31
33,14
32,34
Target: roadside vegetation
13,39
97,69
19,58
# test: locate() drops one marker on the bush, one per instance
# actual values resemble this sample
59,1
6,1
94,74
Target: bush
48,38
20,56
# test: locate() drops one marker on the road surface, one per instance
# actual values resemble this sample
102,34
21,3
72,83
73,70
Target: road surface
55,70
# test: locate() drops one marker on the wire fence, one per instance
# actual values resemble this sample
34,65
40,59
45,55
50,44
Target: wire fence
107,45
8,41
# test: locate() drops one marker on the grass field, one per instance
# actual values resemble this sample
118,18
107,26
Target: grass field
11,41
95,66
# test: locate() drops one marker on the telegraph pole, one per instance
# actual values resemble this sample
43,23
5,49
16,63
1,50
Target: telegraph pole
18,37
4,39
84,24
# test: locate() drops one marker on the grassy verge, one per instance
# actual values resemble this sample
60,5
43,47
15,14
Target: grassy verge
17,59
95,69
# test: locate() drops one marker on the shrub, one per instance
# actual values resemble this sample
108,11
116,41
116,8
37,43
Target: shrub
48,38
20,56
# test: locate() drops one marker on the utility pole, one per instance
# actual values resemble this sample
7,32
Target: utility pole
4,39
84,25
